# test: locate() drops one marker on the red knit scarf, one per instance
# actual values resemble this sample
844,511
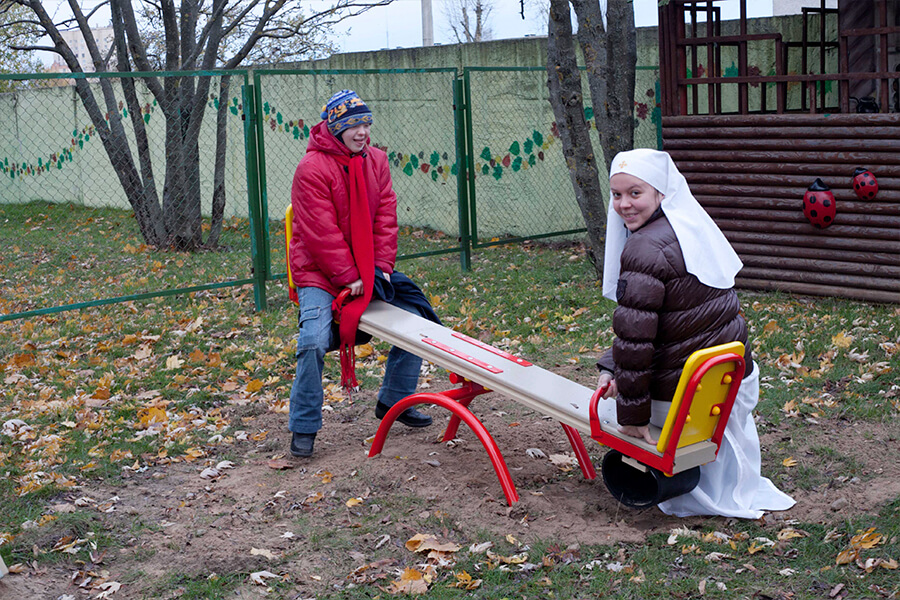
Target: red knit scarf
363,247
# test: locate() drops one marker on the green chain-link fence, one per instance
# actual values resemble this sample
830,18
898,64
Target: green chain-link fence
124,186
98,172
414,125
521,187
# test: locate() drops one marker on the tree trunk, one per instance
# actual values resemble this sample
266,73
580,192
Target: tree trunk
150,212
218,198
564,82
617,124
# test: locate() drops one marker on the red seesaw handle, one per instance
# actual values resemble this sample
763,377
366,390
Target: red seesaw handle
596,431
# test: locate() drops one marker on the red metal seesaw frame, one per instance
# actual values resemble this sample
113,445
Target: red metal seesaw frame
457,402
666,462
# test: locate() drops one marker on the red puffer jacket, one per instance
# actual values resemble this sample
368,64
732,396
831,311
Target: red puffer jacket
320,247
664,315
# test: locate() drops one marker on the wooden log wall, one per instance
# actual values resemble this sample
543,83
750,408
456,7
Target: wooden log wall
750,173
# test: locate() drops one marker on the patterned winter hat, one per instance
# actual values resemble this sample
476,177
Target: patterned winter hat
345,110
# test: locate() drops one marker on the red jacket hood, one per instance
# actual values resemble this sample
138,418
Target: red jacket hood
321,140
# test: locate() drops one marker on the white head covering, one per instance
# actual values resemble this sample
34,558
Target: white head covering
707,254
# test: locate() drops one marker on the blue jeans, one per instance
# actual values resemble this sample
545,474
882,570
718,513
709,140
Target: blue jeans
401,374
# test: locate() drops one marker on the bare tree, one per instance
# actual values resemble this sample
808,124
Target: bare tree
610,56
468,19
190,35
12,29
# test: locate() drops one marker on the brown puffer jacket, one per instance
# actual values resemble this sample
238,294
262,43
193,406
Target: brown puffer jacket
664,315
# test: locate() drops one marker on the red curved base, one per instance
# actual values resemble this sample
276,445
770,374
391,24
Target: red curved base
584,461
460,412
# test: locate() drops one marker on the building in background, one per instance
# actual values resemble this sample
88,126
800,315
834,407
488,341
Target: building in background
104,38
794,7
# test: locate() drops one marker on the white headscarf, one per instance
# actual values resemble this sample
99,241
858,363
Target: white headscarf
707,254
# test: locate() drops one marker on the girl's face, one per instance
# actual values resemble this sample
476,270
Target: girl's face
633,199
355,137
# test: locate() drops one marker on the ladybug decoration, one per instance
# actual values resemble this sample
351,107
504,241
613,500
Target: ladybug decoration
864,183
818,204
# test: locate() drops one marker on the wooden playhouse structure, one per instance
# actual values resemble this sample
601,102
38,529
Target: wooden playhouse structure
753,117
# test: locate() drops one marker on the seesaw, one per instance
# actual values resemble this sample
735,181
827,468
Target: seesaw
636,473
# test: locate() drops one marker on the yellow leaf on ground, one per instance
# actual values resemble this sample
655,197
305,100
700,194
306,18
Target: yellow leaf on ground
867,539
174,362
790,462
312,498
364,350
197,355
465,581
254,386
771,326
842,340
847,556
353,502
151,415
411,582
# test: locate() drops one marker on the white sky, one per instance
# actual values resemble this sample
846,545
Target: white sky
399,25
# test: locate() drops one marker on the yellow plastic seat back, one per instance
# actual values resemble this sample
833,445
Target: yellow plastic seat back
288,232
707,395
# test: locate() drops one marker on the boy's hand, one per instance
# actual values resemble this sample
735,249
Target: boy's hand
356,288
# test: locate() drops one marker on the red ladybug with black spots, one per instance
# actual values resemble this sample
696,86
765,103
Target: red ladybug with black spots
818,204
864,184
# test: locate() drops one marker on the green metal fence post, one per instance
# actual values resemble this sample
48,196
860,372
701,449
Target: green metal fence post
265,247
460,107
257,236
470,158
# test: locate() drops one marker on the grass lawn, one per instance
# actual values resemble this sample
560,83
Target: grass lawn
143,444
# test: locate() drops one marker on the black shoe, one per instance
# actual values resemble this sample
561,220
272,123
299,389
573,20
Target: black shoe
302,444
409,417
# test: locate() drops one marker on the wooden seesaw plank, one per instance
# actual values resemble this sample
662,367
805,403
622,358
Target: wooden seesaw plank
538,389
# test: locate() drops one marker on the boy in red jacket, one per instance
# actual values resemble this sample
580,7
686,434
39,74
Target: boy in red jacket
345,236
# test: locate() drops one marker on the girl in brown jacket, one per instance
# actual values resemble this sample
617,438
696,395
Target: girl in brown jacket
671,271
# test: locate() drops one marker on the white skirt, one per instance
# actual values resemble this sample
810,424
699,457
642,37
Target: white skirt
731,485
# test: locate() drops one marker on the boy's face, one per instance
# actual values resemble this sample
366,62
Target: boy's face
633,199
355,137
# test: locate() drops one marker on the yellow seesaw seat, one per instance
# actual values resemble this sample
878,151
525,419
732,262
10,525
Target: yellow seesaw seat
706,399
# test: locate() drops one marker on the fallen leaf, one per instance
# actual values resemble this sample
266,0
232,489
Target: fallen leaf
842,340
790,462
867,539
259,577
422,542
109,588
263,552
280,464
845,557
465,581
411,582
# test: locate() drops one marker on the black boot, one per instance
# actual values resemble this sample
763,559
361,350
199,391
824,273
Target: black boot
409,417
302,444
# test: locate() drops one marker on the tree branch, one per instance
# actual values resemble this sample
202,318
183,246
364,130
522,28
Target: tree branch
138,53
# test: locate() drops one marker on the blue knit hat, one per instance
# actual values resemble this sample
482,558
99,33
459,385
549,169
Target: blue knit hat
345,110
